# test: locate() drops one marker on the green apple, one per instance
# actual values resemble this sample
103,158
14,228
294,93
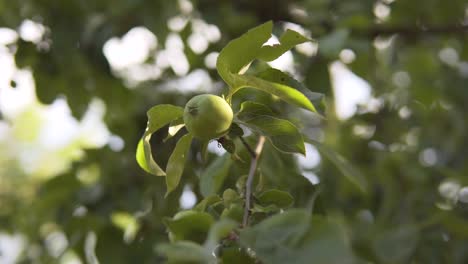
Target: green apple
207,116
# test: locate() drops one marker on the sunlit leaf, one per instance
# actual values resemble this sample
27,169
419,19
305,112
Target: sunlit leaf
277,76
284,92
281,133
248,47
287,41
176,163
241,51
174,127
158,116
128,223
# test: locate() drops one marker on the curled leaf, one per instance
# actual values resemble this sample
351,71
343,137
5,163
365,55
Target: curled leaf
158,116
176,163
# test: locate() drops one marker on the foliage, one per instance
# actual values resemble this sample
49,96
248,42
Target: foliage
191,226
388,181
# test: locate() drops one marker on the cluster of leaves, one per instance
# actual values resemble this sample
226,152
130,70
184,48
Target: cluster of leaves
295,234
414,60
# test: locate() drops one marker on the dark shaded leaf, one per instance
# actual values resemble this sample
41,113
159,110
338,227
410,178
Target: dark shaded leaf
299,238
346,168
396,245
185,252
213,177
189,225
331,44
278,198
281,133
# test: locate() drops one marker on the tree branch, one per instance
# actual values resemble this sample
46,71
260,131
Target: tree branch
248,184
412,31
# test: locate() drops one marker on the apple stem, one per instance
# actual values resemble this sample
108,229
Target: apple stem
248,185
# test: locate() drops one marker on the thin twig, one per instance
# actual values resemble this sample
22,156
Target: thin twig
248,147
248,184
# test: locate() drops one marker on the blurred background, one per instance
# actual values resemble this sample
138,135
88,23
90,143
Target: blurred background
77,77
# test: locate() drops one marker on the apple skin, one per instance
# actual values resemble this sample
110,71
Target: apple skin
207,116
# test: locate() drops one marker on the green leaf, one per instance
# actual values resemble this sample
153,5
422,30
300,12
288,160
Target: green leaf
331,44
218,231
456,224
161,115
158,116
230,196
281,133
210,200
287,41
176,163
128,223
241,51
250,110
343,165
284,92
277,76
257,208
234,212
204,149
228,145
396,245
235,131
189,225
185,252
146,162
297,237
213,177
174,127
279,198
236,255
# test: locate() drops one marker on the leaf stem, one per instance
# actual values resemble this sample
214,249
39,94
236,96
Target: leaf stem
248,184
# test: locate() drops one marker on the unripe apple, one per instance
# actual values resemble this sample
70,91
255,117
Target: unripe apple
207,116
